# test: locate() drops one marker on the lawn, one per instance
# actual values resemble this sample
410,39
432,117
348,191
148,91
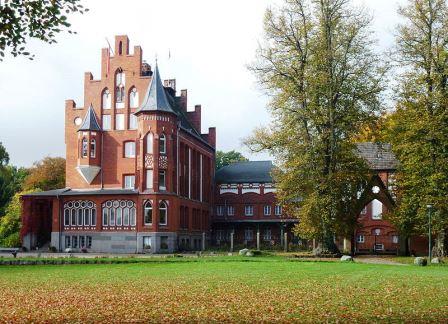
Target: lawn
228,289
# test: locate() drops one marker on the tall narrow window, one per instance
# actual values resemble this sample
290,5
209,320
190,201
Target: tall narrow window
129,149
133,218
377,209
119,88
92,148
106,122
162,144
84,148
267,210
106,99
149,143
119,219
278,210
162,180
119,121
132,121
133,98
105,216
249,210
148,213
149,179
67,217
163,213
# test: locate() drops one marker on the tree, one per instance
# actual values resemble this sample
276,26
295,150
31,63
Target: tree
4,156
226,158
325,80
10,223
43,19
46,174
419,128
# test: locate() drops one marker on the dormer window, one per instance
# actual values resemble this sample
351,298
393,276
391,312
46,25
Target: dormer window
84,148
162,144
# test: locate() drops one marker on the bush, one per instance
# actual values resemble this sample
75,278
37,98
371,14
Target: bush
52,249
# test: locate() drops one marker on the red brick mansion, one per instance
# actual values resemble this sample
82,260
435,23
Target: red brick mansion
140,177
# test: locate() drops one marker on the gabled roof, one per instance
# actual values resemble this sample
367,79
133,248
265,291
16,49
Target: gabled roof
379,156
246,172
155,98
90,123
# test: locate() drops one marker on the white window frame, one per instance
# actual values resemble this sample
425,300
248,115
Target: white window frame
129,150
267,210
133,98
249,210
162,144
147,206
107,122
106,99
163,206
360,238
376,207
129,181
162,175
395,239
149,179
248,234
230,210
119,122
278,210
219,210
149,143
133,122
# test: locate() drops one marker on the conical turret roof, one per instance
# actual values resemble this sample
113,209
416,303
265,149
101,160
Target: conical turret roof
155,98
90,123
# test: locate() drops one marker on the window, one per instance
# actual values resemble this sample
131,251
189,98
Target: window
249,210
248,234
119,88
79,213
66,217
84,148
267,210
75,242
220,235
395,239
364,211
149,179
147,213
149,143
132,121
89,242
379,247
219,210
119,213
129,181
162,180
377,209
129,149
360,239
164,242
106,98
163,213
133,98
119,121
267,236
67,242
278,210
162,144
82,242
106,122
92,148
147,242
230,210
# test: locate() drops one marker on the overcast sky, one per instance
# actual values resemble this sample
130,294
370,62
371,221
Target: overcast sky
211,43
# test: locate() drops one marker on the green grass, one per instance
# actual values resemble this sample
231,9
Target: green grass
224,289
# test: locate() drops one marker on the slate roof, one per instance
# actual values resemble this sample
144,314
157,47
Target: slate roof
76,192
155,98
90,123
379,156
246,172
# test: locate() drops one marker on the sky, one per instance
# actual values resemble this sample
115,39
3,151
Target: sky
211,43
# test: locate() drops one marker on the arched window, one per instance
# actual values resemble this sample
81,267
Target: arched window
377,209
133,98
80,213
119,88
106,99
119,213
162,144
148,213
149,143
84,148
163,213
92,148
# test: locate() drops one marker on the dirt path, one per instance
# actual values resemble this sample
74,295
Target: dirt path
377,260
